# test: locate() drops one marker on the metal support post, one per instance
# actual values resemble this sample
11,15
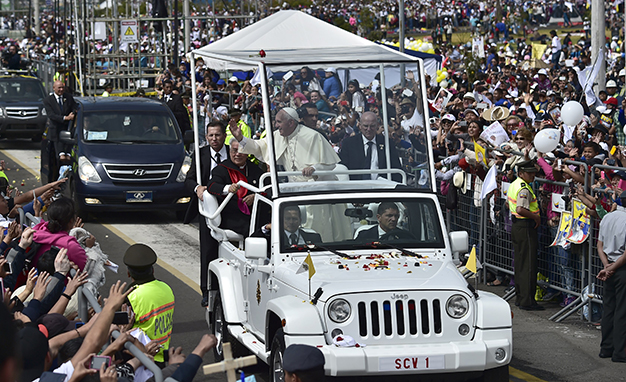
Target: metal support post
598,39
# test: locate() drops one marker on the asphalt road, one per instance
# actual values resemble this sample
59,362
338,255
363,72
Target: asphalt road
543,350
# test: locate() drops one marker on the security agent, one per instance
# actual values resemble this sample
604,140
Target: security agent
152,301
303,363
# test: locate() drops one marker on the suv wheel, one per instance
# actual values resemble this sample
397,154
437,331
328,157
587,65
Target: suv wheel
277,374
220,330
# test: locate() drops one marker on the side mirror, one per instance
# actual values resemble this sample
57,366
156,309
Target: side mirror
256,248
66,137
188,137
459,242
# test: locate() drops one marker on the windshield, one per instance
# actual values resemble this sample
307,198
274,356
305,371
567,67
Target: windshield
398,222
12,90
129,127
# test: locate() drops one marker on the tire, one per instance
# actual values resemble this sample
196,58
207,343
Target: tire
277,374
499,374
220,330
78,209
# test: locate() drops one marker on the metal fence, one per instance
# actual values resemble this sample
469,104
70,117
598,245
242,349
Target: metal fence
570,271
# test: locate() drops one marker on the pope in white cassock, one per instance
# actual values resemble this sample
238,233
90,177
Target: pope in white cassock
299,148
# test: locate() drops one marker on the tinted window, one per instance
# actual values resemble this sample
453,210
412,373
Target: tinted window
12,90
129,127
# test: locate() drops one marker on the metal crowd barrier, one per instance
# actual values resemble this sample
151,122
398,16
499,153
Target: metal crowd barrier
488,223
86,298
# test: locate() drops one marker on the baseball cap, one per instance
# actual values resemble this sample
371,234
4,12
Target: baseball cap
449,117
542,71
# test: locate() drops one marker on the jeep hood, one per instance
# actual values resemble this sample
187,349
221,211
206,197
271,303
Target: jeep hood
338,276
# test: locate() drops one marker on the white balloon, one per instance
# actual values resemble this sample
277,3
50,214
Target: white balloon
572,113
547,140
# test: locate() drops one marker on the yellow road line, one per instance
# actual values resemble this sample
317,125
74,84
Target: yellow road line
175,272
14,159
513,372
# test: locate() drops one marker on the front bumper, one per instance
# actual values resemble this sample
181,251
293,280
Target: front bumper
113,196
454,357
24,128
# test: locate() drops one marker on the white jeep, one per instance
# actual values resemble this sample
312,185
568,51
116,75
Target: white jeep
381,301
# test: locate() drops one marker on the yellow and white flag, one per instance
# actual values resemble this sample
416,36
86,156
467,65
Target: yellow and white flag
307,264
472,263
480,153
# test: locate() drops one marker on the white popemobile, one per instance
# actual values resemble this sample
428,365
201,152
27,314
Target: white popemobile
362,269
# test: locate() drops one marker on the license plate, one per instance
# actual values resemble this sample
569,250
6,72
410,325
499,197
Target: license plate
411,363
138,196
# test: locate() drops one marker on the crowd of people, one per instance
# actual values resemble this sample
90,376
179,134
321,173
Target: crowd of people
474,120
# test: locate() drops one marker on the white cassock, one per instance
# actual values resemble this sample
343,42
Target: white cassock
306,147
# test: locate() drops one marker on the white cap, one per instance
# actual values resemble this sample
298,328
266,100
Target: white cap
622,72
449,117
292,113
331,70
469,96
542,71
233,79
611,84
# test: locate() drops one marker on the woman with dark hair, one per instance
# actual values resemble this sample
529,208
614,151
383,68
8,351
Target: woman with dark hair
54,232
309,82
355,97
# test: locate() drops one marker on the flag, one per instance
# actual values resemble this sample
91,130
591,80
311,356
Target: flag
307,264
490,183
538,50
480,153
472,263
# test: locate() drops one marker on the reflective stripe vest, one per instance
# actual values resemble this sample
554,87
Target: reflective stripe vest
153,304
514,189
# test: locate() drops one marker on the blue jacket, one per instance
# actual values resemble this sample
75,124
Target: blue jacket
332,88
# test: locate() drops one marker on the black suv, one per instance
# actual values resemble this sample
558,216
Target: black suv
22,114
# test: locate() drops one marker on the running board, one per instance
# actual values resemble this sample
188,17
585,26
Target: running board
249,341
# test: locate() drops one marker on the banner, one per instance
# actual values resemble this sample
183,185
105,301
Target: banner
565,224
580,223
495,134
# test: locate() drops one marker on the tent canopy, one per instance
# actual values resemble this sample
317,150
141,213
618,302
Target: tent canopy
290,37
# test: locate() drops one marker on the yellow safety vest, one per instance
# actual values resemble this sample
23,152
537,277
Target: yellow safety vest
245,130
511,194
153,304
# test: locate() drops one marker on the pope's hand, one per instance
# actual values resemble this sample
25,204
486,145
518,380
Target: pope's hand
308,171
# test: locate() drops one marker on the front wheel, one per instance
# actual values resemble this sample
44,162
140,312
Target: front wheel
277,373
220,330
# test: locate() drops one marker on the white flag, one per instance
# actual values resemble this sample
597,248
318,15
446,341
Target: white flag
490,183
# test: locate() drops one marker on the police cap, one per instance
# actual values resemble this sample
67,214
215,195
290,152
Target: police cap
299,357
139,256
526,166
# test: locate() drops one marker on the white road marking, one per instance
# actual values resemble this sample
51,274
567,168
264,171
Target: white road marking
176,244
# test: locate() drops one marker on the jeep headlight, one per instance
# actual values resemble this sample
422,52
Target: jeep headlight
339,310
457,306
87,172
182,174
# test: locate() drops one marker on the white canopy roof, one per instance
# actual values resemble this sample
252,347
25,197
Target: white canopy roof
294,37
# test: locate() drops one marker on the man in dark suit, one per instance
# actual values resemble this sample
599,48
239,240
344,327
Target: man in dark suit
236,214
210,157
387,216
61,110
366,150
292,233
176,105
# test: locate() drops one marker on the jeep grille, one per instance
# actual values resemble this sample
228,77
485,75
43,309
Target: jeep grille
138,172
399,317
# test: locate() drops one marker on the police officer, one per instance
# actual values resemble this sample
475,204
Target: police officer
152,300
303,363
611,244
525,215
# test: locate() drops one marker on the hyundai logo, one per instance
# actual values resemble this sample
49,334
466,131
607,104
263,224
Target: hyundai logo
139,172
139,195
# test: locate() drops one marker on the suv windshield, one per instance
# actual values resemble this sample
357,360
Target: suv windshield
399,222
129,127
21,90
